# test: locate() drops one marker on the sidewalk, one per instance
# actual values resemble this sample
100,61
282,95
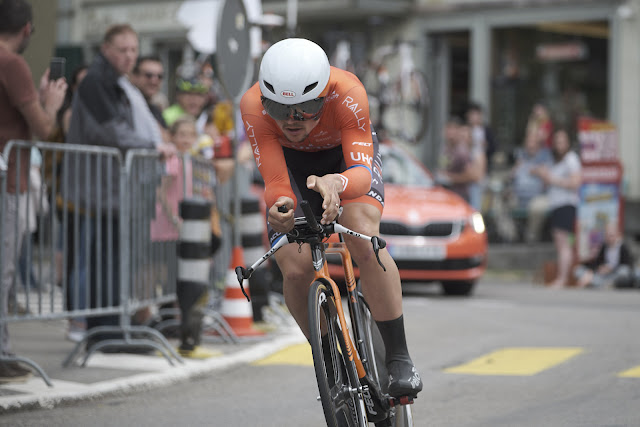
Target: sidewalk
110,374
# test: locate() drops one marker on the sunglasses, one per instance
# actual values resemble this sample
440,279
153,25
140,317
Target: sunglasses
149,76
187,86
308,110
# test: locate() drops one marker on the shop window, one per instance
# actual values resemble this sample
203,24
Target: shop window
562,65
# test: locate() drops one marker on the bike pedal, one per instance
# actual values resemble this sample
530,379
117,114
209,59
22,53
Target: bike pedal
402,400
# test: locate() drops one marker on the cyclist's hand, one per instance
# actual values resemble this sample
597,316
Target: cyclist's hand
329,186
279,221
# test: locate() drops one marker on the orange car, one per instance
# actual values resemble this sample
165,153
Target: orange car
431,232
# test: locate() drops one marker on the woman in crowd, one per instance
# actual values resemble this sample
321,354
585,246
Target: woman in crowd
563,180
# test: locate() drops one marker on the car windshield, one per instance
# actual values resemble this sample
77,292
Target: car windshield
401,169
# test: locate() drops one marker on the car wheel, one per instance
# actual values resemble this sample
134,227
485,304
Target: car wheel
458,288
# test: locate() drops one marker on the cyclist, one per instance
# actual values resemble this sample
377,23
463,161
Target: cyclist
308,125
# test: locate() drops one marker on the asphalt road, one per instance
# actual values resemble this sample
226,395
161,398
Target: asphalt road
515,354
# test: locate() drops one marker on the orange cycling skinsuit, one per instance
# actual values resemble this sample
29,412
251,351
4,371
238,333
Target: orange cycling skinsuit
342,142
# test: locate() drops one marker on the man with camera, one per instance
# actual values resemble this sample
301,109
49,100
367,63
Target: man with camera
24,111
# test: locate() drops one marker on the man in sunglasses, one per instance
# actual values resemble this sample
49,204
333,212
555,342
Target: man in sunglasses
308,125
147,76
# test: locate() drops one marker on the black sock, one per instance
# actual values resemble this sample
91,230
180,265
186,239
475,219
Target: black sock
395,341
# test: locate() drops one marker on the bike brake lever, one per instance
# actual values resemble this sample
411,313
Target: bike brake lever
242,274
378,244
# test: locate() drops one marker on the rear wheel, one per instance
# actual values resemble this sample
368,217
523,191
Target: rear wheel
342,405
375,364
458,287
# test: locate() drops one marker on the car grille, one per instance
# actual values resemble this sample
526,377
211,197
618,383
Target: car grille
445,264
434,229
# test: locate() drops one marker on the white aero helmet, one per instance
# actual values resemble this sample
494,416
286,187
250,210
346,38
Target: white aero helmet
294,72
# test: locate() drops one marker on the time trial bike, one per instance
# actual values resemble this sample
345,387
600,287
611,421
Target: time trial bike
348,353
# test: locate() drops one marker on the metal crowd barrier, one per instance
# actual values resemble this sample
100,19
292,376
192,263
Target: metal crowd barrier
95,257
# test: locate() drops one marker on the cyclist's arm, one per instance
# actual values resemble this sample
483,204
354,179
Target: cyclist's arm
269,158
357,143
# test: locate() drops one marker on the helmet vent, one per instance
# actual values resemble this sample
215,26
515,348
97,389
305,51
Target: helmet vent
309,88
269,86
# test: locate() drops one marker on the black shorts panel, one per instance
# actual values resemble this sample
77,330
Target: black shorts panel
563,218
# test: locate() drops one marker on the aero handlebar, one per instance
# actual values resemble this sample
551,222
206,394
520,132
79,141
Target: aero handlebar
307,229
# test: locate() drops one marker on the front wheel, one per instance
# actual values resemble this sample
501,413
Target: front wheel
341,402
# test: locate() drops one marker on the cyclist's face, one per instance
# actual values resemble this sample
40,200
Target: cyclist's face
296,130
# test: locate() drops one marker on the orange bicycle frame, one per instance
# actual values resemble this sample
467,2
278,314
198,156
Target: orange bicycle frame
340,248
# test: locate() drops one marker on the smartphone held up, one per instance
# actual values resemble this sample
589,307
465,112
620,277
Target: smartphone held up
56,68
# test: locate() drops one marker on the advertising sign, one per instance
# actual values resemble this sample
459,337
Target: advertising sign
600,205
600,192
598,140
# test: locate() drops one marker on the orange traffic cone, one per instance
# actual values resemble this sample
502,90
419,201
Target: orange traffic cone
236,310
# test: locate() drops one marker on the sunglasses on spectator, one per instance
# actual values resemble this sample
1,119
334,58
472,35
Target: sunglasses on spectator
308,110
189,87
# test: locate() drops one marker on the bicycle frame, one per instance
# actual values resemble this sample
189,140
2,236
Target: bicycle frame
307,230
340,248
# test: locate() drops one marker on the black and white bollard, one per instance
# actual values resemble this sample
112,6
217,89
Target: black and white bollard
252,229
194,264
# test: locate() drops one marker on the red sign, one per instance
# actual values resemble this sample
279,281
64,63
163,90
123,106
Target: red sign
598,140
562,52
604,172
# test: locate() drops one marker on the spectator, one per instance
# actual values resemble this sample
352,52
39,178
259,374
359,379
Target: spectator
482,148
539,123
482,133
23,111
64,113
147,76
38,207
166,224
563,180
474,171
529,189
108,111
75,295
456,157
612,266
191,97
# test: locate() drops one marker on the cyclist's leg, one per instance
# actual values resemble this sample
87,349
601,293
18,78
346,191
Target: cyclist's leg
384,295
294,261
297,273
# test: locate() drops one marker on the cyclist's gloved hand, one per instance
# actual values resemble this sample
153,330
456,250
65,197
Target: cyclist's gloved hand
281,222
329,186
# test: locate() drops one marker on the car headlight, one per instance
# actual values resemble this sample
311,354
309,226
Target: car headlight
477,222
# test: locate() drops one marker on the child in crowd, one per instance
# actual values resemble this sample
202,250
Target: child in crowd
177,183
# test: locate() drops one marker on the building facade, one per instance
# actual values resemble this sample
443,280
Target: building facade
579,57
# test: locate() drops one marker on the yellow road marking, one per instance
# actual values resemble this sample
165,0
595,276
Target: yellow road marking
523,361
299,354
631,373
